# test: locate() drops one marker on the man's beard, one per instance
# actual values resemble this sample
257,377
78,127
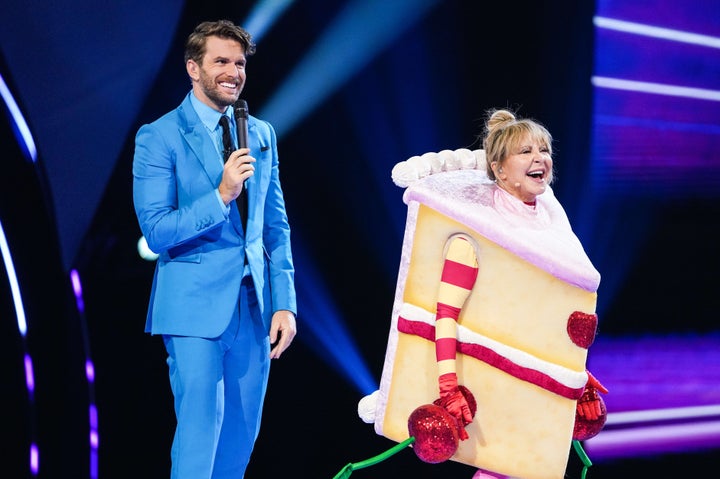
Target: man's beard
212,91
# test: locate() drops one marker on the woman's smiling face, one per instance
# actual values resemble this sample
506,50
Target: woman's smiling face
526,171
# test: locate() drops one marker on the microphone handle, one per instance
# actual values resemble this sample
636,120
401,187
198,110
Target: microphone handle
241,121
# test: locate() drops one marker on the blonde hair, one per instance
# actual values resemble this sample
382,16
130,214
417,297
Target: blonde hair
504,132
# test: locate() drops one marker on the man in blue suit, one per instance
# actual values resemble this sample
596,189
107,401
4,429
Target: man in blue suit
223,295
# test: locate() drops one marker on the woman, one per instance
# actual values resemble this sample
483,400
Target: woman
494,311
519,155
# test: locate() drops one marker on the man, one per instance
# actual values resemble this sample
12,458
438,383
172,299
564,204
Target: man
223,295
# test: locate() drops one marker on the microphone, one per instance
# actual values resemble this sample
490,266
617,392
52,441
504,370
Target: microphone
240,109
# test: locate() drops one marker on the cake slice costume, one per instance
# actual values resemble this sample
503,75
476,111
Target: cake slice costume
493,316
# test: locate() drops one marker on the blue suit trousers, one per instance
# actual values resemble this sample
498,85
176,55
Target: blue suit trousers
219,386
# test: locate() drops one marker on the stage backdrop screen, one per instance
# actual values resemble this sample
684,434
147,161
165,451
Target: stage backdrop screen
656,83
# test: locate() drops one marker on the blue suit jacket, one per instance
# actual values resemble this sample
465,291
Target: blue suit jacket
202,249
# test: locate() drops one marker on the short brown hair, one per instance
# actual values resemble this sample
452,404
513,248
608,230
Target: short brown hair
195,45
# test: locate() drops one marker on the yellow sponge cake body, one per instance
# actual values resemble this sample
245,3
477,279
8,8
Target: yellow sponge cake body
514,350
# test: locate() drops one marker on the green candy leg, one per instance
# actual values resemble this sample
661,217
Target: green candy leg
583,457
348,469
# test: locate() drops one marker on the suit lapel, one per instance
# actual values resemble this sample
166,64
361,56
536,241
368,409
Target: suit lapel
205,152
200,142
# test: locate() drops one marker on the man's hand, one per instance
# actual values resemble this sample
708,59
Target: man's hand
282,332
238,168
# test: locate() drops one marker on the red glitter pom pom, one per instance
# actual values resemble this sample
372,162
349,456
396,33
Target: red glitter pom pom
589,428
581,328
435,432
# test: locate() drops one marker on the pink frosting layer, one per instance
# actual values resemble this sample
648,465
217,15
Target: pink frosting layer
541,235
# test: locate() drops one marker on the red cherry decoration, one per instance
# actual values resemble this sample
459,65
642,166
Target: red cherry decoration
435,432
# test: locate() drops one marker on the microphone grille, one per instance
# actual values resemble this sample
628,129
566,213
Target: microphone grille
240,108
